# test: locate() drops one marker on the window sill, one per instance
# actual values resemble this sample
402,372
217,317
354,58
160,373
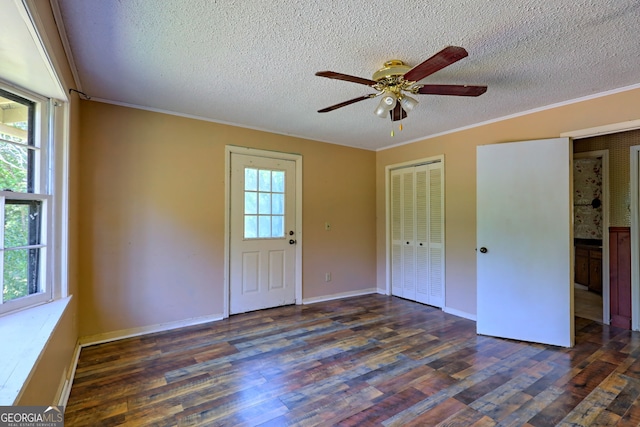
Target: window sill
23,337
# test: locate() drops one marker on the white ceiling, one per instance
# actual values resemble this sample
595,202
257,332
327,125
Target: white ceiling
251,63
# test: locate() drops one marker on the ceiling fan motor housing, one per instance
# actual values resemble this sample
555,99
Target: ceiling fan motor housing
393,68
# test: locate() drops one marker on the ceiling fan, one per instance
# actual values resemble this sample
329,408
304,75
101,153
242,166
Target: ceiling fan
396,79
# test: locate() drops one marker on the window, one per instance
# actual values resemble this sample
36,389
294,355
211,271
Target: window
263,203
25,201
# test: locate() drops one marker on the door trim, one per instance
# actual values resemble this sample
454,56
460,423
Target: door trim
606,308
297,158
635,237
387,196
602,130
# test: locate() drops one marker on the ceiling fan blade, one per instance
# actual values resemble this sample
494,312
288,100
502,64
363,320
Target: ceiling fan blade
345,103
445,57
346,78
455,90
397,113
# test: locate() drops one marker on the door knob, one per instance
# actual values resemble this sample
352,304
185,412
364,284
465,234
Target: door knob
291,233
292,242
483,250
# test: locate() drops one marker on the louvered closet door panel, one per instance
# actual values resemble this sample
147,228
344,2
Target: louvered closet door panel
408,235
417,234
436,235
396,233
422,234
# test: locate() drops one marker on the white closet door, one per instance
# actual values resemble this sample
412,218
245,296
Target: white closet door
417,234
436,235
396,234
422,234
408,236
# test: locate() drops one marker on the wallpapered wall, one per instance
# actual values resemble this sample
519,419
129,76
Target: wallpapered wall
618,145
587,188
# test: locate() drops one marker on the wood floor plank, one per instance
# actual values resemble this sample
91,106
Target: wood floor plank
448,408
364,361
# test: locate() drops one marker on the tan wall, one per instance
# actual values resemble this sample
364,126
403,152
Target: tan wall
459,150
152,216
618,145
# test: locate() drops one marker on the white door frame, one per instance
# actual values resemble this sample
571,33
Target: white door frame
297,158
635,208
387,195
606,308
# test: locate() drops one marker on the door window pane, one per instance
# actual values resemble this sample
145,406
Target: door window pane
264,204
277,204
264,226
277,225
264,181
277,183
250,226
250,179
250,202
264,196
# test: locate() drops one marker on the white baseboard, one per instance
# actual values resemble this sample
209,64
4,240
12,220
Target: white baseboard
143,330
459,313
64,389
340,296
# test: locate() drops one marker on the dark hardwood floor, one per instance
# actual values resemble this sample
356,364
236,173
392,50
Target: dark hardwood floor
364,361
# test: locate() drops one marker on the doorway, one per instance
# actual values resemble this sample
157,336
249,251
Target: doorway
590,235
263,227
618,140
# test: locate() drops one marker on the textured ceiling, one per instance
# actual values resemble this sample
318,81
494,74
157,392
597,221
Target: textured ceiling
251,63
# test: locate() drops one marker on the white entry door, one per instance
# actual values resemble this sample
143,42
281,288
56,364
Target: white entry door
263,237
524,223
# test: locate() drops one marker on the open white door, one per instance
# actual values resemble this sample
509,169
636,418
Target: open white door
524,233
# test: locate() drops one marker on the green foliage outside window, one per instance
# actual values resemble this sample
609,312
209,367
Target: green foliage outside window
19,220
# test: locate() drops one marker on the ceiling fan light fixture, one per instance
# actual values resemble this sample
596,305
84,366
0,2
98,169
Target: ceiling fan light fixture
408,103
387,103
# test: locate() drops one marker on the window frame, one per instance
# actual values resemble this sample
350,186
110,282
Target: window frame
42,130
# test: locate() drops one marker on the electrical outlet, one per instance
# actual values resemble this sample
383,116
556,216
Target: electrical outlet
327,277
